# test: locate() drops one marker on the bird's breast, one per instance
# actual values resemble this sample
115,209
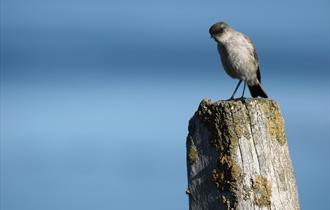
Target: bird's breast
238,60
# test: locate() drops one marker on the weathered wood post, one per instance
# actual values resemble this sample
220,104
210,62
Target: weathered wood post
238,157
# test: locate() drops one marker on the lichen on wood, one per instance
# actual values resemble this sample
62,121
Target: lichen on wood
238,157
275,123
262,189
227,123
193,153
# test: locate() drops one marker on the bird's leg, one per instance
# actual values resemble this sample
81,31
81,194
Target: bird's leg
243,89
232,97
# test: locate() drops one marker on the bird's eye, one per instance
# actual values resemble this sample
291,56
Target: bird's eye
221,30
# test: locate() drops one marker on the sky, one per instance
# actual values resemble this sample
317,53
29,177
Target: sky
96,96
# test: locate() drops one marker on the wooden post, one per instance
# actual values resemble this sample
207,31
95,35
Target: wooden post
238,157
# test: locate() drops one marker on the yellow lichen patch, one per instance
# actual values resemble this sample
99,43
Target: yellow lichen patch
232,120
226,202
218,178
193,153
239,121
232,166
226,176
262,190
275,123
204,111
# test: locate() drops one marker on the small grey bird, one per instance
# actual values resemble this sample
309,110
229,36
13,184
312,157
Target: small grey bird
239,58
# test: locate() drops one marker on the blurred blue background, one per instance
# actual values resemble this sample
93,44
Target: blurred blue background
96,96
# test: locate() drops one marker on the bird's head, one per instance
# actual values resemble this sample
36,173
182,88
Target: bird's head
220,31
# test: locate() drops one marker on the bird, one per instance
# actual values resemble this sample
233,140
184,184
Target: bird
239,58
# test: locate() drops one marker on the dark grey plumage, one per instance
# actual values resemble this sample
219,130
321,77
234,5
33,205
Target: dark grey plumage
239,57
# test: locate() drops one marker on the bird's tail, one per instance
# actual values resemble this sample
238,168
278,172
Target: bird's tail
257,90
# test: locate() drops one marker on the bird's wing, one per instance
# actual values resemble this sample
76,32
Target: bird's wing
253,52
258,75
253,48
